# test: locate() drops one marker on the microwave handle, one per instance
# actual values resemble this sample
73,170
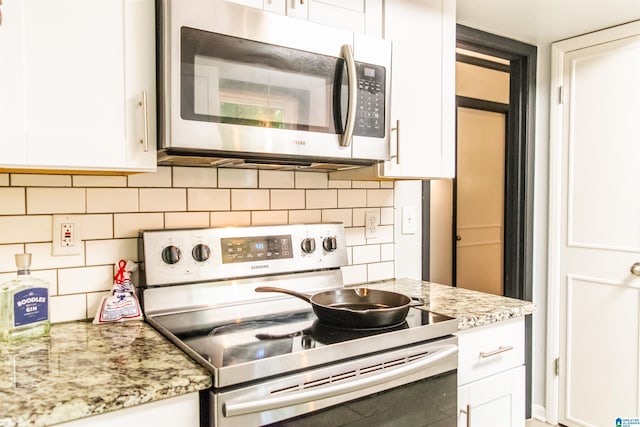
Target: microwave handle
347,55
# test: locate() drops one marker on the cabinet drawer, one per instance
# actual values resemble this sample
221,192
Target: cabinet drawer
490,349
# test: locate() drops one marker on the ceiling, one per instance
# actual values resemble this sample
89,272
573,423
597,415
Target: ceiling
540,22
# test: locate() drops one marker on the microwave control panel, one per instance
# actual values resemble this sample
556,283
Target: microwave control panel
370,112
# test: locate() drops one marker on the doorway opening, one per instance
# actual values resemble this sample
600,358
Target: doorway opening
517,115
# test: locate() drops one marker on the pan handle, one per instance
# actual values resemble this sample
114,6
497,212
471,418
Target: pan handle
417,302
300,295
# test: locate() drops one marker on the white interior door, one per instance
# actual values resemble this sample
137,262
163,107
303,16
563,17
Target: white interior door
599,241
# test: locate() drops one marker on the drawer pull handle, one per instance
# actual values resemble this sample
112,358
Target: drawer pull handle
468,414
485,354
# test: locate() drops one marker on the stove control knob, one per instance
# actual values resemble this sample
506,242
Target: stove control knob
330,244
201,252
171,254
308,245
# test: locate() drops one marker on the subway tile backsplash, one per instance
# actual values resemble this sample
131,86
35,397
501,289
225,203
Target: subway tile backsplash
114,208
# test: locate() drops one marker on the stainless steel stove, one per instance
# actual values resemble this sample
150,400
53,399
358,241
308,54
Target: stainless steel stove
271,359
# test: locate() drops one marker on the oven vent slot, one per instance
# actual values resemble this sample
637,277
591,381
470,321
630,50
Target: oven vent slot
343,376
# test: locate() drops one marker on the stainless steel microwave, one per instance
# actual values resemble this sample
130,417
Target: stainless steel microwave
241,86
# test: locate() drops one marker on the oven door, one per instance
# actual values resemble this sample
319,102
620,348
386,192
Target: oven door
410,386
244,81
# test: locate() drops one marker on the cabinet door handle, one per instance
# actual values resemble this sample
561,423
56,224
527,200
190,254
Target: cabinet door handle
0,13
397,130
484,354
467,413
145,118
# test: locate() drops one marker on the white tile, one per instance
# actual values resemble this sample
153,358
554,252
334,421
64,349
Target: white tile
287,199
128,225
48,276
195,177
7,259
358,215
160,178
55,200
111,251
322,199
85,279
387,184
4,179
379,197
386,216
349,256
352,198
162,200
225,219
38,180
305,217
68,308
186,219
93,303
338,215
387,252
354,274
24,229
41,257
380,271
276,179
13,201
365,184
99,181
366,254
97,226
339,184
269,217
246,200
106,200
312,179
237,178
208,199
355,236
384,234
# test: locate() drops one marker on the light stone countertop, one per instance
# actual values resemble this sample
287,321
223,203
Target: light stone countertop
83,369
471,308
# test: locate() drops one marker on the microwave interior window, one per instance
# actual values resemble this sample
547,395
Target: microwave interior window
225,79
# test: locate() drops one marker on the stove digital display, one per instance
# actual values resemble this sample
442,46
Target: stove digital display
257,248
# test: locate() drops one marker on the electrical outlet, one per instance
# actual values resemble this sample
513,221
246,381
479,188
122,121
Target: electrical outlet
67,235
371,223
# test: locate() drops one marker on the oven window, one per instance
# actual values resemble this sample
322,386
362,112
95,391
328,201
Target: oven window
429,402
225,79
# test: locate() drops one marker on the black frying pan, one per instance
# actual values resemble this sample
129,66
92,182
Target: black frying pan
355,307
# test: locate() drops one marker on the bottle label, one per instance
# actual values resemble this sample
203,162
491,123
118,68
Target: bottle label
30,306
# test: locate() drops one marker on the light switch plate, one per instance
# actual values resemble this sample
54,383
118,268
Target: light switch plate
408,220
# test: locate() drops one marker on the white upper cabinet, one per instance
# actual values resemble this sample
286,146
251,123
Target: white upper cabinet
360,16
86,96
422,124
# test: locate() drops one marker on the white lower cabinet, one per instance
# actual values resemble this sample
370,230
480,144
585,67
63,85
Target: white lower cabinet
183,411
491,375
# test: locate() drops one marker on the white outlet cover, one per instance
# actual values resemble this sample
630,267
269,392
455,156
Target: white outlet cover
371,223
75,246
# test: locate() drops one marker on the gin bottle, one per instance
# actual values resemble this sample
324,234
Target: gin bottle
24,304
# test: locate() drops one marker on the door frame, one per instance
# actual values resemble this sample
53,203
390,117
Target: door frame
519,170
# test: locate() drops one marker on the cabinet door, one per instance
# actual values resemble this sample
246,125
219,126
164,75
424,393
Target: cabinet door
74,71
140,85
423,94
495,401
12,131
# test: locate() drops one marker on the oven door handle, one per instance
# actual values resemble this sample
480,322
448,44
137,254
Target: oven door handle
232,409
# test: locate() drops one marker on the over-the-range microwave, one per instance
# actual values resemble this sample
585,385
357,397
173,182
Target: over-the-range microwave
239,86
